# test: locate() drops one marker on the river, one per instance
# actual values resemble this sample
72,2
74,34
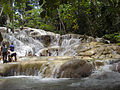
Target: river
24,41
109,81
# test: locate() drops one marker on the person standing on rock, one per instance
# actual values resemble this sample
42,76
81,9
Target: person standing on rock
48,53
4,50
56,52
29,54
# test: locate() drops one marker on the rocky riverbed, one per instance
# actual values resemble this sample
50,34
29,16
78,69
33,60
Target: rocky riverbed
55,67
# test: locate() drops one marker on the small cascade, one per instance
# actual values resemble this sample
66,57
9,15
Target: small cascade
106,68
42,43
55,70
41,74
102,70
23,43
43,70
71,42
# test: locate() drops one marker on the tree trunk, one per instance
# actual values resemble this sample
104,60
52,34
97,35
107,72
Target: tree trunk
11,5
1,11
61,21
60,29
1,38
8,21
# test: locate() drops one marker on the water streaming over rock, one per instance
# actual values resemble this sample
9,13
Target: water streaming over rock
38,41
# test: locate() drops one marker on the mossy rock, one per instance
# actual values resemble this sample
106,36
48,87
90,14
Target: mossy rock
1,38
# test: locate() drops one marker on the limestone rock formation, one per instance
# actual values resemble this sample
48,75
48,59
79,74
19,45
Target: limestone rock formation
48,67
75,69
96,50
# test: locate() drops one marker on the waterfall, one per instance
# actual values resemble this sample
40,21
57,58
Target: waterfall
35,41
71,56
42,43
24,44
38,42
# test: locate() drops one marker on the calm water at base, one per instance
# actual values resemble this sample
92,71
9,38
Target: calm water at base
109,81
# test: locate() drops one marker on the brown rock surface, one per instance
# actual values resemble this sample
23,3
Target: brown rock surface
75,69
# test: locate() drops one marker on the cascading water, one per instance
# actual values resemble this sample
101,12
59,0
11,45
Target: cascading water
29,40
102,79
71,44
44,74
24,44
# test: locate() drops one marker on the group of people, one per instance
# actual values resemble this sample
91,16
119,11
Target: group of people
48,53
7,52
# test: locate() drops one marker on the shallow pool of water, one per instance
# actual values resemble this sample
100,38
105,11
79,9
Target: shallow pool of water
105,81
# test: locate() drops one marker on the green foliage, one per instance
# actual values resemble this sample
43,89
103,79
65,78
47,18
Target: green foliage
68,16
114,38
91,17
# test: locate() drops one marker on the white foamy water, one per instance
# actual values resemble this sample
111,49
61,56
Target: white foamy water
38,78
101,78
25,42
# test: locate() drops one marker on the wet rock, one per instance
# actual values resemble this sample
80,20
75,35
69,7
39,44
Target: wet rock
44,66
115,65
3,29
75,69
87,58
118,67
99,63
33,34
102,57
48,67
112,61
46,39
90,39
90,53
117,56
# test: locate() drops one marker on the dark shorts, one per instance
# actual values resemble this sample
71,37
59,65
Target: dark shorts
13,54
4,54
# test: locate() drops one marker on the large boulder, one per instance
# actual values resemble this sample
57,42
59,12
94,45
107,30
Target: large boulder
75,69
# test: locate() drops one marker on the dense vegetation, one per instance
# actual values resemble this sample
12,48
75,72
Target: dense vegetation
91,17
